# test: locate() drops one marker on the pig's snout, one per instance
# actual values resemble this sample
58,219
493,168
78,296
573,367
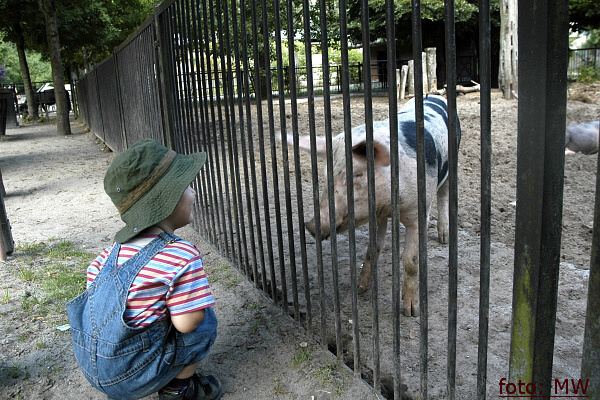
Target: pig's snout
310,227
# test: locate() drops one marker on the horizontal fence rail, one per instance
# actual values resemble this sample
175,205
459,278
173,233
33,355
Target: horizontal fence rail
213,76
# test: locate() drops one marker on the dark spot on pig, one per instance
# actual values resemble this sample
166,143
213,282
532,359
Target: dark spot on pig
408,129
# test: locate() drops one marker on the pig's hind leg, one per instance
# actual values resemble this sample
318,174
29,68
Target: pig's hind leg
364,280
442,206
410,260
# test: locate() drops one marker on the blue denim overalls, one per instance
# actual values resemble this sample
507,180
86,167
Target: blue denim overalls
125,362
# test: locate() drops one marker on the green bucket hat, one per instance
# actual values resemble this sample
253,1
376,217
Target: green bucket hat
146,182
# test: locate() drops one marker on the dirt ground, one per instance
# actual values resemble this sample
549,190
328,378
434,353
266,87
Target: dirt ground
54,190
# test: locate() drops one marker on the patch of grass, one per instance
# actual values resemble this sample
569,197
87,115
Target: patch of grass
257,324
65,250
57,271
220,273
63,284
301,356
279,388
231,282
14,371
339,391
30,248
324,373
26,274
220,268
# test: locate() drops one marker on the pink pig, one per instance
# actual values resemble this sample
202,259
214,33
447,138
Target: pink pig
436,160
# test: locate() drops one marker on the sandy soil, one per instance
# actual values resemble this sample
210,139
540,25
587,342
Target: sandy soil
54,190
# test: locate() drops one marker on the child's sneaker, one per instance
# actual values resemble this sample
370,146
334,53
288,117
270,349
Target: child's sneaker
202,387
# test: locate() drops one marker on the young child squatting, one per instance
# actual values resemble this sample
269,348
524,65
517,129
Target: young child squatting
145,321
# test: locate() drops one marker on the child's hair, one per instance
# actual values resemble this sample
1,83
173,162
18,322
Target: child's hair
146,182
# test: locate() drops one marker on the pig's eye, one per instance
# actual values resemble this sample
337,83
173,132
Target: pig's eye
358,174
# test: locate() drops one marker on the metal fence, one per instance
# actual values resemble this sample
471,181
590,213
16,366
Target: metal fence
583,59
254,190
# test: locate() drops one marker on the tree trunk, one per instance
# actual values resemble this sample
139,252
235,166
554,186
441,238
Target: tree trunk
507,74
411,77
62,109
32,108
431,69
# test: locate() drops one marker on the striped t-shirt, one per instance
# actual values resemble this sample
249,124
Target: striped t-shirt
173,282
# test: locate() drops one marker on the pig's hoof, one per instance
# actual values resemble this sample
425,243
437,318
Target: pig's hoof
362,288
411,309
443,235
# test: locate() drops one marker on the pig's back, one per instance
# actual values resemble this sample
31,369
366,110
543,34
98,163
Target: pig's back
435,111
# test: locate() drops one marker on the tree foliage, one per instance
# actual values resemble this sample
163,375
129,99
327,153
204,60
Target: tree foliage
96,25
584,15
431,11
38,68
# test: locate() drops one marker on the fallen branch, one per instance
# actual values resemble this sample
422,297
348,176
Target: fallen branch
468,89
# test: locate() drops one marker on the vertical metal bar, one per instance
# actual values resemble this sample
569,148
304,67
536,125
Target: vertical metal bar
179,68
99,105
261,146
250,151
186,86
184,143
209,123
223,178
259,122
197,116
159,77
234,166
198,135
274,162
345,72
240,102
540,166
119,100
371,191
164,84
330,181
453,197
208,175
215,96
395,192
421,187
486,193
590,372
286,168
299,198
556,96
314,169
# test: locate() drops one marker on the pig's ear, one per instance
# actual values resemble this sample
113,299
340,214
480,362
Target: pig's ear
304,143
382,152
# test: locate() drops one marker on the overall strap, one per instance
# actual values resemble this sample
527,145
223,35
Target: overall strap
109,264
127,272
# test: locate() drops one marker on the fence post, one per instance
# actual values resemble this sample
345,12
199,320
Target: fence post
6,240
164,84
115,55
540,166
591,339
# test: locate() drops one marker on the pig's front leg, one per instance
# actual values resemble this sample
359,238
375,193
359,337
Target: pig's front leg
410,260
364,279
442,206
